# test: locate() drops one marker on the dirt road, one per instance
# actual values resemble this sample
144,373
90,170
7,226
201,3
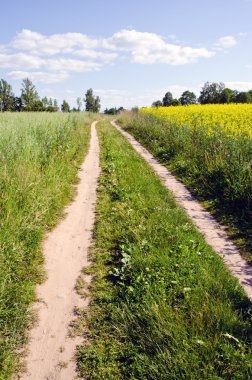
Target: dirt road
51,351
214,234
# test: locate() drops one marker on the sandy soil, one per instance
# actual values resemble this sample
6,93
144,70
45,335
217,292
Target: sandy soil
51,351
214,234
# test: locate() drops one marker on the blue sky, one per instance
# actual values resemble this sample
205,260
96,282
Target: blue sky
130,52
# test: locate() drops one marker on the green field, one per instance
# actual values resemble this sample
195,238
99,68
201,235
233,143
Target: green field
39,158
212,157
164,306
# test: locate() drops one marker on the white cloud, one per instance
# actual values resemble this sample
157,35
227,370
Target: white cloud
51,45
96,55
226,42
170,54
52,58
19,60
39,76
150,48
73,65
55,70
240,86
128,40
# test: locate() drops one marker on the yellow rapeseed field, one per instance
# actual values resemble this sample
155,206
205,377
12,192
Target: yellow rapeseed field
235,119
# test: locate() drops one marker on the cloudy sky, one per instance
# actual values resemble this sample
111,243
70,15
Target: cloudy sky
130,52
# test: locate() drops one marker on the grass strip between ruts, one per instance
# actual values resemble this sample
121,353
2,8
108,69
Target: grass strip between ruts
164,306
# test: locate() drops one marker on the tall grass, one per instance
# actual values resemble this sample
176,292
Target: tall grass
39,158
215,164
164,305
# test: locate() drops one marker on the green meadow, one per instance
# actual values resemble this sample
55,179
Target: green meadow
164,306
215,165
39,158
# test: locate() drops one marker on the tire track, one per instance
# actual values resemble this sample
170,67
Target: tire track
212,231
51,351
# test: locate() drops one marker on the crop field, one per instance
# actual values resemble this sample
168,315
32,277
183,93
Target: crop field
233,119
39,158
210,148
163,303
164,306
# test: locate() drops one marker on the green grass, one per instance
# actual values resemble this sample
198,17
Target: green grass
39,158
163,306
215,167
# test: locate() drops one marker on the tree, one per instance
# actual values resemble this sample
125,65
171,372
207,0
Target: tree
120,109
111,111
79,104
157,104
18,105
7,99
37,106
92,103
176,102
45,101
243,97
29,94
226,96
55,105
235,93
187,98
65,107
167,99
211,93
97,104
89,100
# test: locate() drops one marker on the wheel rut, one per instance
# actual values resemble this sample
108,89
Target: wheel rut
51,351
213,232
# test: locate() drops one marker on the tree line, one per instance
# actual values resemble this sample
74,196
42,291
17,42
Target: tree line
29,100
211,93
113,111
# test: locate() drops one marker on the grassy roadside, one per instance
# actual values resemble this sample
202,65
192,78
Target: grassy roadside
163,305
215,167
40,155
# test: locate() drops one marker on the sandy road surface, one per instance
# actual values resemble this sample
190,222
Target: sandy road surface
51,351
214,234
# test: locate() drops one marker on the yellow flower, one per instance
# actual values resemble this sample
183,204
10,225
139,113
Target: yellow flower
233,119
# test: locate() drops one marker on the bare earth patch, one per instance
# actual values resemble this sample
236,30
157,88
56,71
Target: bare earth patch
51,351
213,232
